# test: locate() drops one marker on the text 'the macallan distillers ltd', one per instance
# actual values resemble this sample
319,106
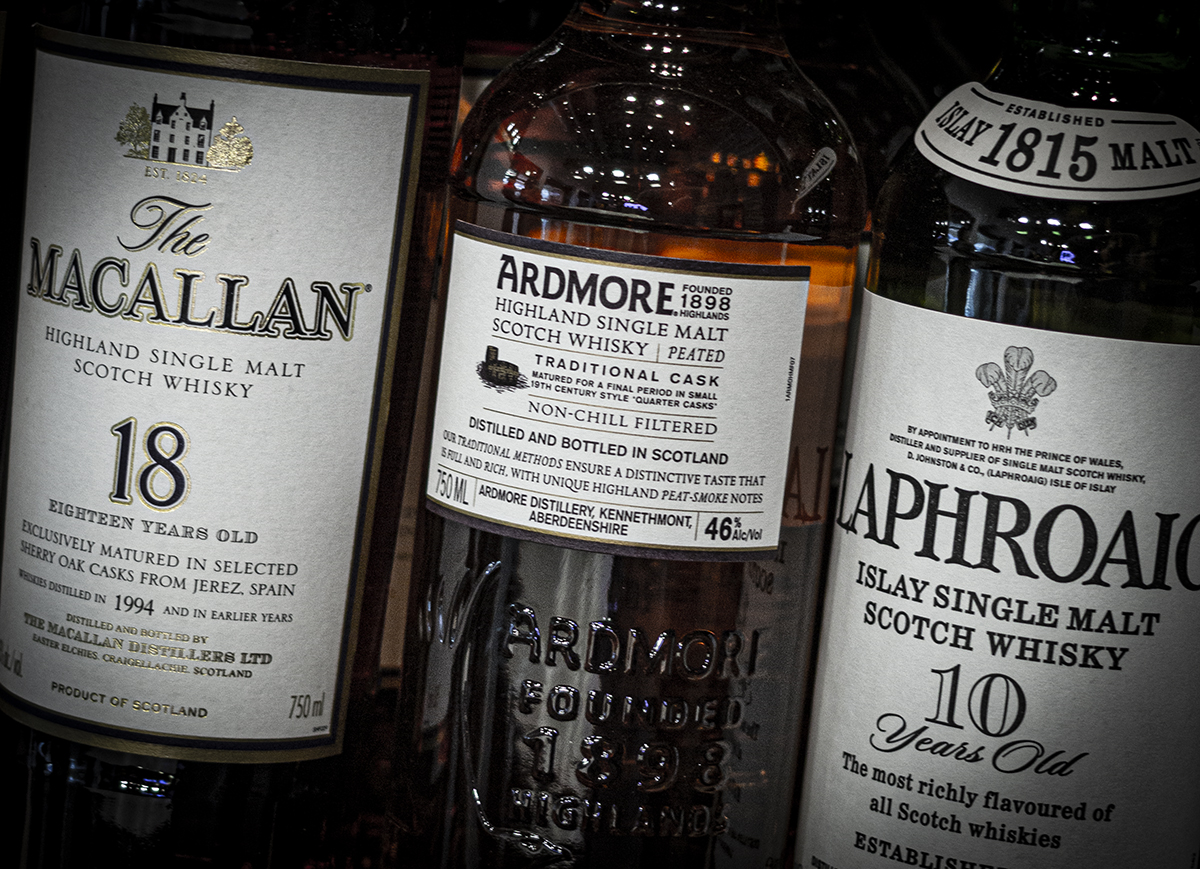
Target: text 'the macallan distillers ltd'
226,271
656,219
1007,674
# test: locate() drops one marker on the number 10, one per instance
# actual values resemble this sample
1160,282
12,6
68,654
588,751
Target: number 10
996,703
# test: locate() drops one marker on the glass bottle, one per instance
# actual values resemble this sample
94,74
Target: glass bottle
597,670
1011,590
273,195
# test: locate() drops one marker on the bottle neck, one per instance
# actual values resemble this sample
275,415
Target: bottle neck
1114,34
1108,53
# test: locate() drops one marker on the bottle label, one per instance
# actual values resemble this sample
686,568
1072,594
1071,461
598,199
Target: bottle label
1058,152
616,400
208,306
1007,671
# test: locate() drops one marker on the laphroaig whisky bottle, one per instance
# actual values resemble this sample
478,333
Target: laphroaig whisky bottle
1006,674
655,223
230,235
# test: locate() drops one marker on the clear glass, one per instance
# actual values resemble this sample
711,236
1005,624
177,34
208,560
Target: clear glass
682,132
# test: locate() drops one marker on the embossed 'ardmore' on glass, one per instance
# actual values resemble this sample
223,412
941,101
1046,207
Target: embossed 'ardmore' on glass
655,224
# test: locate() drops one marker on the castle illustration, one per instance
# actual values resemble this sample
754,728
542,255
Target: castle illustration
180,133
497,372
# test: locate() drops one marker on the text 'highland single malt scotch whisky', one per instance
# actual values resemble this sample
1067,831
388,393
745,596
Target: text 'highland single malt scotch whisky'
644,318
229,237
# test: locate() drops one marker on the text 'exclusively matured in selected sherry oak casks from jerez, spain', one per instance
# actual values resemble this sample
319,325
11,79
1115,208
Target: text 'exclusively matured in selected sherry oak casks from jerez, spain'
229,236
1007,670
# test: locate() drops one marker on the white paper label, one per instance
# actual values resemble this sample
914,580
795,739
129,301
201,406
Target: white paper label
616,399
1007,670
205,307
1057,152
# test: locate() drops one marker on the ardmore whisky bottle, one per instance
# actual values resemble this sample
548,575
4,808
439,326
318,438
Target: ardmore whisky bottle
655,219
1006,673
229,237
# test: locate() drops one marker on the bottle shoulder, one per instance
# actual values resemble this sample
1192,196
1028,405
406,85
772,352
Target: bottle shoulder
697,134
993,196
1072,85
1114,268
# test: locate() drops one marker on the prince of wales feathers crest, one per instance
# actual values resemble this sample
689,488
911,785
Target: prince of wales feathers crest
1013,390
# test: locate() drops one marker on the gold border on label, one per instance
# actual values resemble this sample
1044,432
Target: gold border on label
249,69
238,66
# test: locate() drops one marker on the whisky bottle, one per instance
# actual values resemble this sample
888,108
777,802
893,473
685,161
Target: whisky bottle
1011,596
230,231
654,224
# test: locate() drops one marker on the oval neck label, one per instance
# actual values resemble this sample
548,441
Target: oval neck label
1056,152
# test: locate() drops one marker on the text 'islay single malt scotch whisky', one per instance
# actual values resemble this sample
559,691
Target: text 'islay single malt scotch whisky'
1006,668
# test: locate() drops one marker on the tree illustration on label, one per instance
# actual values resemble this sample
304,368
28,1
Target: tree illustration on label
1013,390
230,149
180,133
135,132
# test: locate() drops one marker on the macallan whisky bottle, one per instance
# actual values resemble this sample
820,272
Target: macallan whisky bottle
654,225
230,231
1006,672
